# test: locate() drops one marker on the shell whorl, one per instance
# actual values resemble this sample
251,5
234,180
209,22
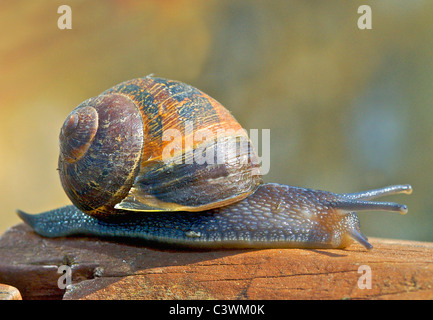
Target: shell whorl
78,132
100,155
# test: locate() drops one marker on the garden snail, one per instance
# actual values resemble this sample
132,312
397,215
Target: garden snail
114,167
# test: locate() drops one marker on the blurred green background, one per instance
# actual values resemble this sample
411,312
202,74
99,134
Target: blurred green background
347,109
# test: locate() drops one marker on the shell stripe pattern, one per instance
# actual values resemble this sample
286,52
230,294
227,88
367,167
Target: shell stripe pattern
179,185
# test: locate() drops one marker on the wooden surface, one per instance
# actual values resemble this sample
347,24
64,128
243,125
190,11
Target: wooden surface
109,270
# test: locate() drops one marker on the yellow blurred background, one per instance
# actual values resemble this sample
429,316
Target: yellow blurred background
348,109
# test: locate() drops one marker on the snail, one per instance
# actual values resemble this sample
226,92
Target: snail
128,178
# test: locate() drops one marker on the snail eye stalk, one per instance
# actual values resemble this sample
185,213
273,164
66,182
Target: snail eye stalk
381,192
350,202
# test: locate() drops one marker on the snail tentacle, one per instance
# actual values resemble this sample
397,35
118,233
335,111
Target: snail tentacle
381,192
360,205
361,238
357,201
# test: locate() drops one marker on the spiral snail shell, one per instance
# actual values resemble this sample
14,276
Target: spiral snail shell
127,178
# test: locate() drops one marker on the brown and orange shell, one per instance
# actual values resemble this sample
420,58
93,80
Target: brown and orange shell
152,144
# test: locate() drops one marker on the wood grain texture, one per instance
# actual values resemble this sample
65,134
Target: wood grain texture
109,270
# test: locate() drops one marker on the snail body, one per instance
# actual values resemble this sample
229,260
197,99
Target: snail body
127,180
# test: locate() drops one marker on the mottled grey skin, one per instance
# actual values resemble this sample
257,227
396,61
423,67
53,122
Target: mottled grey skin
274,216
